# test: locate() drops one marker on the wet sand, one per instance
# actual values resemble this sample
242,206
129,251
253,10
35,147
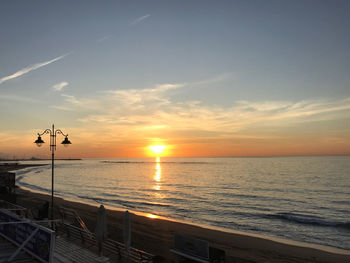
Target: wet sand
156,236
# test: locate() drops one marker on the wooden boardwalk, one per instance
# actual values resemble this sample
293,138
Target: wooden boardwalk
66,251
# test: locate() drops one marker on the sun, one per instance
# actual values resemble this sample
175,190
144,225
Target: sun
157,149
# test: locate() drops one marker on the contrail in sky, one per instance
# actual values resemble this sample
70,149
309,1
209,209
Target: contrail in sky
29,69
138,20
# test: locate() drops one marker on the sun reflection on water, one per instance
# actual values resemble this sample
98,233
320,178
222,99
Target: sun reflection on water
152,216
158,174
157,177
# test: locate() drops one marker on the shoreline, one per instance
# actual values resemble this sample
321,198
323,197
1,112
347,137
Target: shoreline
155,235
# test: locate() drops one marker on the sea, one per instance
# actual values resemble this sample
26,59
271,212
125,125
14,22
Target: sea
297,198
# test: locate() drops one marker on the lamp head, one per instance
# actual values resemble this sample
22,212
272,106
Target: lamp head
66,142
39,142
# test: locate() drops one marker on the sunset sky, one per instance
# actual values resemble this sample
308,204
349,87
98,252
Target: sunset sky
204,78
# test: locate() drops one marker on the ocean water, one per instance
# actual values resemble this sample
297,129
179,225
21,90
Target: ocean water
299,198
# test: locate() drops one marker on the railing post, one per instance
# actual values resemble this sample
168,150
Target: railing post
82,237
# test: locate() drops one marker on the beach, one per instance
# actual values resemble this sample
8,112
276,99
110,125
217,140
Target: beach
156,236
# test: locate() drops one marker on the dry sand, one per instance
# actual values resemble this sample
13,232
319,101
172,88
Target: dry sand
156,236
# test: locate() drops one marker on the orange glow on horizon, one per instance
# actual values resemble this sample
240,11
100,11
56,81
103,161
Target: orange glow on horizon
86,147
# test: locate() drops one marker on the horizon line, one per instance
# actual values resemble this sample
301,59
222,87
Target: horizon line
148,157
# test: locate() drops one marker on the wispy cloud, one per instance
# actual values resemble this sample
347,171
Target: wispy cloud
139,115
72,103
60,86
154,112
19,99
138,20
104,38
30,68
212,80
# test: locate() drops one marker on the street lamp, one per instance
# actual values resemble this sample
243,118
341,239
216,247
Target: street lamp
39,142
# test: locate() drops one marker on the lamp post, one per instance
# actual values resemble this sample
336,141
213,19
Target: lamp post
39,142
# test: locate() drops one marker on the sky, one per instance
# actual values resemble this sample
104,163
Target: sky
204,78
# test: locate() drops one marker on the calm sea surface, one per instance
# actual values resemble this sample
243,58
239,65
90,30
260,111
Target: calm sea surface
299,198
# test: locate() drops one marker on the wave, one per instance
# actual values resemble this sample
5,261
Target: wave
37,169
341,202
258,198
35,187
132,204
309,220
22,173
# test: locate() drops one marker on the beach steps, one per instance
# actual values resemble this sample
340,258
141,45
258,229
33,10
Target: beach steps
70,216
112,249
